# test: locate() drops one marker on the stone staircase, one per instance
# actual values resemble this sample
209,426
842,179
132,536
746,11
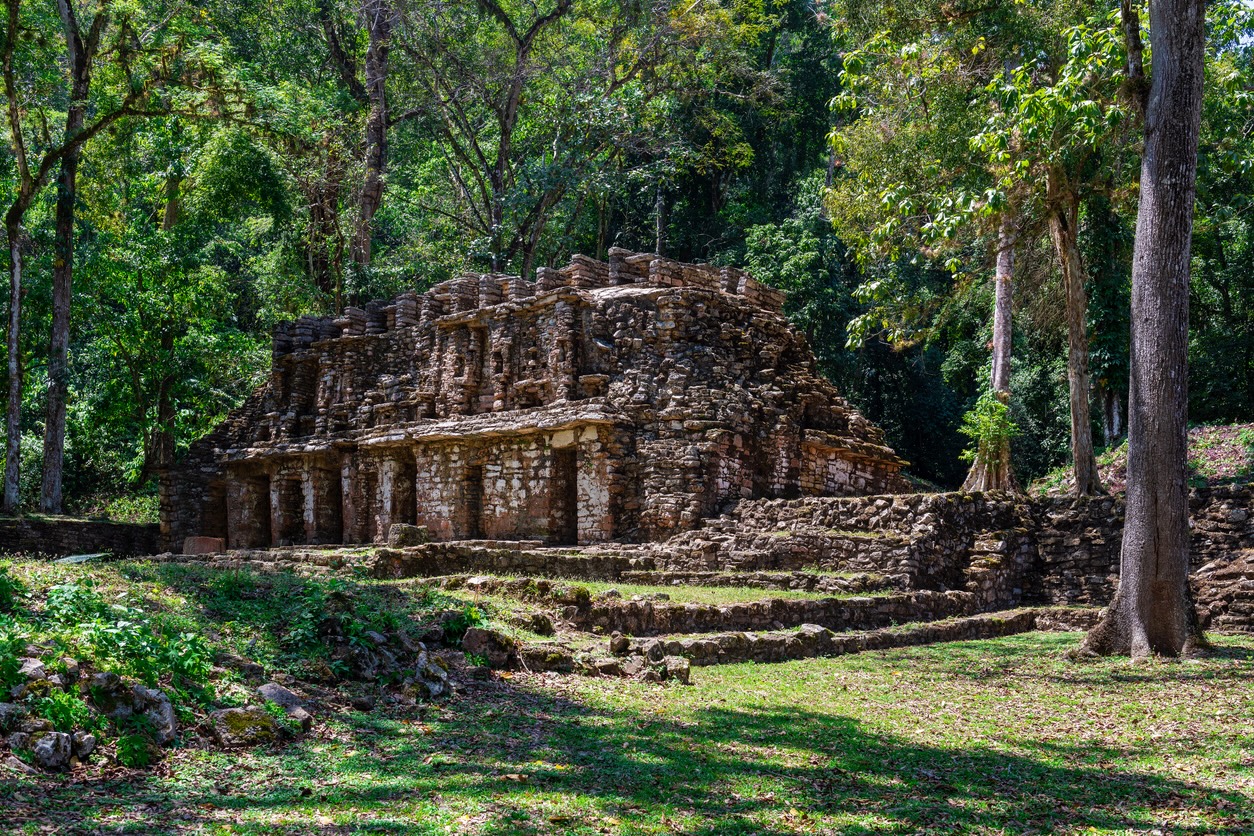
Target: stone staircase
835,576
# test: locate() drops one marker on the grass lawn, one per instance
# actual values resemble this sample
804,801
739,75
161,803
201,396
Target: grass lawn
1001,736
688,594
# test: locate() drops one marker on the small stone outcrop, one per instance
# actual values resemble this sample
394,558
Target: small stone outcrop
252,725
291,704
497,649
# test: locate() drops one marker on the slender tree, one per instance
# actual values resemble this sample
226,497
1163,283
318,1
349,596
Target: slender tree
991,469
81,47
1152,611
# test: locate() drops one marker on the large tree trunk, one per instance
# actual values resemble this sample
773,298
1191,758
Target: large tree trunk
378,20
59,342
1064,229
991,470
13,415
1152,611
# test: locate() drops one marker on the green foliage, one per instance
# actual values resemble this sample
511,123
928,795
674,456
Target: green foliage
125,639
989,427
456,626
12,646
11,589
135,750
67,712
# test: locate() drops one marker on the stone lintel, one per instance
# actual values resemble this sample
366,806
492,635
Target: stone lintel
853,450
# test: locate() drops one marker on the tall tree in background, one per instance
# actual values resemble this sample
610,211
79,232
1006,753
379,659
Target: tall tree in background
81,47
377,18
145,62
991,469
530,103
1152,611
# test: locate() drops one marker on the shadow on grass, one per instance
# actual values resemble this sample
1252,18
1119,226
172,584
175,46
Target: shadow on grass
721,772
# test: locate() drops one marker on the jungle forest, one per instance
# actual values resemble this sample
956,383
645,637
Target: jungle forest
682,416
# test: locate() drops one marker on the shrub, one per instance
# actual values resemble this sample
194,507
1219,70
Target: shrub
12,646
11,589
135,750
74,603
456,626
67,712
988,425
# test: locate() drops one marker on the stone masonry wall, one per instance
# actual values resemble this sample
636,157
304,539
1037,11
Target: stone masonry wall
57,536
1055,551
622,400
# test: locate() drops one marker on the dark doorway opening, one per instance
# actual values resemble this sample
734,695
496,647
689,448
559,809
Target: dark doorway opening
472,500
213,522
328,502
565,497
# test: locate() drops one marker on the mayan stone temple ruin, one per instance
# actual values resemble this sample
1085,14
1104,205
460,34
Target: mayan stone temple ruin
604,401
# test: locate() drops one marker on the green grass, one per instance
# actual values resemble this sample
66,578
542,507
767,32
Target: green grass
1000,736
704,594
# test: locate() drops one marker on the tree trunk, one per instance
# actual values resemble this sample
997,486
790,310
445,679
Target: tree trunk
59,342
13,415
378,20
659,219
1064,222
1112,416
1152,611
991,470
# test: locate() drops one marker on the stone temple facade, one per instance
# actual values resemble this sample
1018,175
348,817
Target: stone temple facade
623,401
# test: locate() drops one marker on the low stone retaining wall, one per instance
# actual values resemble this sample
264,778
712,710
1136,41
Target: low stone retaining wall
64,536
812,640
504,558
652,618
796,581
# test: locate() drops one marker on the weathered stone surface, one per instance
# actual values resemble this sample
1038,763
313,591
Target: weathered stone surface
499,650
204,545
431,679
620,400
51,750
60,536
678,669
32,669
401,535
249,726
83,744
10,715
286,699
119,700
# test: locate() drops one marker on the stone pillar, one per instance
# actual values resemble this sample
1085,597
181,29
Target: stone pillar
286,505
323,505
562,351
248,511
350,510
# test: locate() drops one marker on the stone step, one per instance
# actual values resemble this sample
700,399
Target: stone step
799,581
640,618
503,558
813,640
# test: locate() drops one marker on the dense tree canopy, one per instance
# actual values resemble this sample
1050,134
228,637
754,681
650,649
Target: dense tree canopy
232,164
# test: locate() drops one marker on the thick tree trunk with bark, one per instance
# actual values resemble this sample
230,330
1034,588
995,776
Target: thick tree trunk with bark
80,53
13,415
1064,230
377,16
59,342
1153,611
991,470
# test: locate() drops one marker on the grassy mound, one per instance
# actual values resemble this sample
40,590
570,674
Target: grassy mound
1221,454
205,638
